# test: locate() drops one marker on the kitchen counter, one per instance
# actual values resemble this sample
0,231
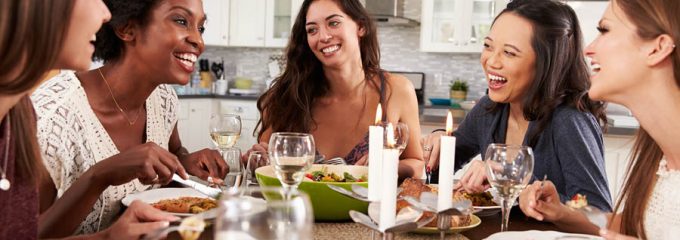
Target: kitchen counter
217,96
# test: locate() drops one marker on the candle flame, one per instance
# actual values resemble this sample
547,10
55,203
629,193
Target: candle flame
378,115
389,134
449,124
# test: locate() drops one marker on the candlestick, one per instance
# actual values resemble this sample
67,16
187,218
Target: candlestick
447,154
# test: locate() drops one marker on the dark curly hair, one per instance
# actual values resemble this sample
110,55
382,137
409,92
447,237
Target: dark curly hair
562,76
109,46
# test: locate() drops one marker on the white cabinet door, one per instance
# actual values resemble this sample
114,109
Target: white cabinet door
217,27
193,123
616,158
457,26
589,14
247,23
280,17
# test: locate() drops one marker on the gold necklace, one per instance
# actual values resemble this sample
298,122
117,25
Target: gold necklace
131,122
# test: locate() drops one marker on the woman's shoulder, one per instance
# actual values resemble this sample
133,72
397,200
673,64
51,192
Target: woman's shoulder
398,83
565,113
56,92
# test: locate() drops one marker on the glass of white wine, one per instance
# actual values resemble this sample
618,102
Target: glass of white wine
509,169
291,154
225,129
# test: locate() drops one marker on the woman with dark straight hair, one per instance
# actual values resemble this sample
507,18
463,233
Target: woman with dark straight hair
636,63
333,83
537,80
35,37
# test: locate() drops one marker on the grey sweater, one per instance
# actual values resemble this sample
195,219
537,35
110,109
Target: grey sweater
569,150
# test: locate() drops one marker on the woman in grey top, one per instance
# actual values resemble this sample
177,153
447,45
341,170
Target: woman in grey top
537,97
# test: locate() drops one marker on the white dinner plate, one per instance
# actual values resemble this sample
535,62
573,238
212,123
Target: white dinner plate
155,195
541,235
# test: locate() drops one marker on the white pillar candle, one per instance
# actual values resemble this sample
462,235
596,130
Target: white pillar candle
375,148
390,165
447,154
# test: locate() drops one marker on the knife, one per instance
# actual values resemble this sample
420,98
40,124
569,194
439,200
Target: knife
205,190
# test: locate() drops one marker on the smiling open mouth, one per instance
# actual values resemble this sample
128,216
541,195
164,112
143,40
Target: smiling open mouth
331,49
187,59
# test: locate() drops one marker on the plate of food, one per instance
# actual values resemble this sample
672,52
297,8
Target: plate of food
178,201
414,188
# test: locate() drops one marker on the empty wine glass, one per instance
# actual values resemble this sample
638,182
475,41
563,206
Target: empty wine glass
509,169
291,154
225,129
232,156
264,213
256,159
401,135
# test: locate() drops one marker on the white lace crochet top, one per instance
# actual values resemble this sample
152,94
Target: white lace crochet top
72,140
662,217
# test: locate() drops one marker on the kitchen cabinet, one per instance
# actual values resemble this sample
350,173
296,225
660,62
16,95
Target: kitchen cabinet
457,26
617,150
217,27
193,121
261,23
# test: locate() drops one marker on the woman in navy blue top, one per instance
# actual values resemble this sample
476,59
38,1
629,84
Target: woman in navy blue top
537,79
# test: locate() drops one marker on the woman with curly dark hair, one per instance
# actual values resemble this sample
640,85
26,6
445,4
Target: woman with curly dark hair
537,79
115,127
333,83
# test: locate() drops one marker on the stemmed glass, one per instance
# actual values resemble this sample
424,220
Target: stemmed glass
291,154
256,159
225,129
509,170
264,213
401,135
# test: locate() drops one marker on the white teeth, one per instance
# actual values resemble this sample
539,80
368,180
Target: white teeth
330,49
595,67
190,57
93,38
496,78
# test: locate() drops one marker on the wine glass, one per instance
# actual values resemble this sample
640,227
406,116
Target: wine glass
509,169
401,135
256,159
232,156
225,129
264,213
291,154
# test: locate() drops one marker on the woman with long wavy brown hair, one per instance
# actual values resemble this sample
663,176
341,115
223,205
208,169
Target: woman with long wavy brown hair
635,63
333,83
36,36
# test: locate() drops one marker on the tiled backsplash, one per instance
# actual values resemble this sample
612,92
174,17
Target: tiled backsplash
400,51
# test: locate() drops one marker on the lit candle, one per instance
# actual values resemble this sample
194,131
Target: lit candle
390,165
447,154
375,148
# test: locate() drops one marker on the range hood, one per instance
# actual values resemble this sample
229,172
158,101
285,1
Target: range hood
390,13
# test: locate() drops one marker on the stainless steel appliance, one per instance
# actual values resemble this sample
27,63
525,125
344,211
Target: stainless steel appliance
418,81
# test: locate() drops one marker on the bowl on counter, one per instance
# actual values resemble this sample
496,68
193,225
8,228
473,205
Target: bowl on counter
441,101
328,205
467,105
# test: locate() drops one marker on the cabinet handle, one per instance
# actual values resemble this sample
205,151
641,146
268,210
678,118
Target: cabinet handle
239,109
193,110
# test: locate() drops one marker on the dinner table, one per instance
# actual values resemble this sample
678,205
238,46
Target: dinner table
350,230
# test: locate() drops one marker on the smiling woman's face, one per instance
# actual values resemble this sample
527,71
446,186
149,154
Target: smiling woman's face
508,58
331,34
617,57
86,19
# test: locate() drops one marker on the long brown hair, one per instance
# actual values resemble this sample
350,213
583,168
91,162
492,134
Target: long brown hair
652,18
287,105
561,74
31,35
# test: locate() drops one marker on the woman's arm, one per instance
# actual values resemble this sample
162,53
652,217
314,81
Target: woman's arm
203,163
402,102
579,150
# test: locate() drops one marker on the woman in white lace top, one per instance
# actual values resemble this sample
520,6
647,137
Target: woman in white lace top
636,63
115,127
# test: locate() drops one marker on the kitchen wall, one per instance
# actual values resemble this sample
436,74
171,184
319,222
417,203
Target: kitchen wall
399,48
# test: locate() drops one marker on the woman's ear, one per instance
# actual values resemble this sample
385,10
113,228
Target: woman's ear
126,32
660,48
361,31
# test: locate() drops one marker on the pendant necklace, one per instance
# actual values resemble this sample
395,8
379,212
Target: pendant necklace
4,183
